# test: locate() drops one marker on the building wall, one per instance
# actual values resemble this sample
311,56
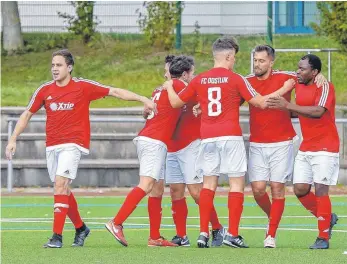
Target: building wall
219,17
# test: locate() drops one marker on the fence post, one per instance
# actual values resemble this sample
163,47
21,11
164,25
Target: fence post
329,66
9,162
178,26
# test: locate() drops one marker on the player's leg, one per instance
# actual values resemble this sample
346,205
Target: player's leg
152,162
234,164
302,180
281,164
62,166
179,213
174,177
325,173
259,174
207,164
154,209
187,159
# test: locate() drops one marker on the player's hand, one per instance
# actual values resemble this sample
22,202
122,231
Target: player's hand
146,113
168,84
277,102
196,110
150,106
10,149
320,80
289,84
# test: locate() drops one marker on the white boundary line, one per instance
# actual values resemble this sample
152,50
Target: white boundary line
6,220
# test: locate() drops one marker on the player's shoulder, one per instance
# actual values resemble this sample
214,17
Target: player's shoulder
285,74
43,87
82,80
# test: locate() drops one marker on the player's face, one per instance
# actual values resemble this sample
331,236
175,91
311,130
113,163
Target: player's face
262,63
231,59
188,76
167,72
60,70
305,73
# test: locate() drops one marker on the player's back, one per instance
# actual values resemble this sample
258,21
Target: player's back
270,125
219,96
161,126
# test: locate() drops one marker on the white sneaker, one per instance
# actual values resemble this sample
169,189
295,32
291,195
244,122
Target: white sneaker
270,242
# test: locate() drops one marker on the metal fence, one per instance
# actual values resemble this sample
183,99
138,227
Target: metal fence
307,51
216,17
11,121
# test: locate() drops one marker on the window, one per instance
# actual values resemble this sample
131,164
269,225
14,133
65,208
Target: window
295,16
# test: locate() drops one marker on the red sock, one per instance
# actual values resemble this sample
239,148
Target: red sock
205,207
277,209
264,203
154,213
309,202
129,205
214,219
324,215
179,215
235,204
73,213
61,206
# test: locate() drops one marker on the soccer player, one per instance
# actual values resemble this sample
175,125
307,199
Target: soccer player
66,101
151,146
272,140
222,149
318,159
180,169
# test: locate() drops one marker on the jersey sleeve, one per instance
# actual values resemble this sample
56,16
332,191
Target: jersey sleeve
188,93
325,96
245,89
94,90
36,101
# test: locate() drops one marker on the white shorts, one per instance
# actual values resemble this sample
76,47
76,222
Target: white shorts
152,156
224,155
271,162
180,165
63,161
316,167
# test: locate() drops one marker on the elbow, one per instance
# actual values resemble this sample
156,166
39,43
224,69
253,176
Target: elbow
175,105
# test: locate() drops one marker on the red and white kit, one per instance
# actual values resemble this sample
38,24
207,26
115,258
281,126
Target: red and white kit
67,125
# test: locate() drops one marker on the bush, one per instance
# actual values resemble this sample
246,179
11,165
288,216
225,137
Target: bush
159,23
82,24
333,21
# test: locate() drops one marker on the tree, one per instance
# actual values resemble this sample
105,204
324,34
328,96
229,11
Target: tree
12,34
333,21
83,23
159,23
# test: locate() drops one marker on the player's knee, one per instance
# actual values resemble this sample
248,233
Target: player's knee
176,192
301,190
258,192
61,185
146,184
194,191
277,190
321,190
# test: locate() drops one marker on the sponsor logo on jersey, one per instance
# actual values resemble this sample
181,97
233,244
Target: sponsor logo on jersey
61,106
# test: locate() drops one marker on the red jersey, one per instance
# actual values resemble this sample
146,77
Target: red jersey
270,125
187,129
319,134
162,125
219,93
67,110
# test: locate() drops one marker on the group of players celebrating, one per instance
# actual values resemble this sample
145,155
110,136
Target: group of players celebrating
192,136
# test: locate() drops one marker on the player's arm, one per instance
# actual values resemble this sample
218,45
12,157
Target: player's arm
19,128
261,101
307,111
175,100
323,101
